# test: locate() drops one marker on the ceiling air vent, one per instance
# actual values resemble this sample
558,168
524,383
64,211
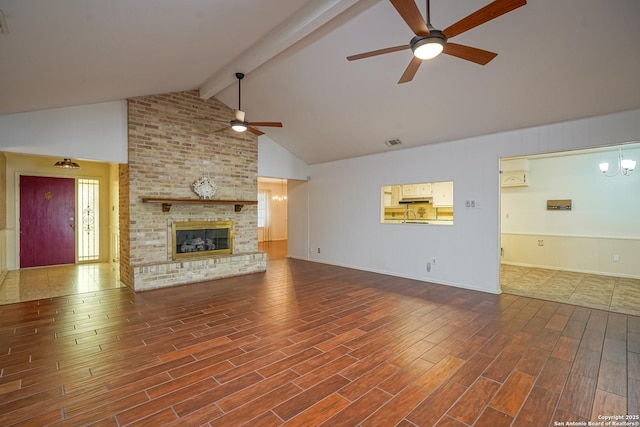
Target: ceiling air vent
393,142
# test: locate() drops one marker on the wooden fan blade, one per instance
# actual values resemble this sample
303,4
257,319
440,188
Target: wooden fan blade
255,131
411,15
269,124
469,53
377,52
411,70
480,16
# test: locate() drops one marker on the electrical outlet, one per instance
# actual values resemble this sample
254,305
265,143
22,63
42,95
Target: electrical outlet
318,250
616,258
428,267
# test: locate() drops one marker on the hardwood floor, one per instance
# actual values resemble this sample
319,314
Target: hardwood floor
308,344
275,249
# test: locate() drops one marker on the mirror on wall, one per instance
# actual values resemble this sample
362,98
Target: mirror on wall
419,203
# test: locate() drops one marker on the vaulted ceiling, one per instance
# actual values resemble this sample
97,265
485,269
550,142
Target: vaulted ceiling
557,60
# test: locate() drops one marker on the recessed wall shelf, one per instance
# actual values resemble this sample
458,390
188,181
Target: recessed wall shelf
167,202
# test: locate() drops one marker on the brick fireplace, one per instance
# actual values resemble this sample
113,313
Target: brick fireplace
174,139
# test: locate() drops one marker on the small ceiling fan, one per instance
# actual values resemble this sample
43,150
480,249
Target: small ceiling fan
239,124
429,42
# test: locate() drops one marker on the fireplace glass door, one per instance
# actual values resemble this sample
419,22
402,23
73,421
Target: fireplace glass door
202,238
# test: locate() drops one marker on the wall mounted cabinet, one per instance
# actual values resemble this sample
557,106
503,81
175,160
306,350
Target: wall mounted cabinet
514,173
443,194
514,179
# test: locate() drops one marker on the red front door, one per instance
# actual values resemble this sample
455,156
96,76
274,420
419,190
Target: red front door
47,221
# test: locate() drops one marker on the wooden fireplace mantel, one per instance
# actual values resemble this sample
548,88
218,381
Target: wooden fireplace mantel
167,202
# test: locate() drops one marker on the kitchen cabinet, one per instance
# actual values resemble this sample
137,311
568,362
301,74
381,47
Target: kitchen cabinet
409,190
514,173
514,179
442,193
424,189
417,190
391,196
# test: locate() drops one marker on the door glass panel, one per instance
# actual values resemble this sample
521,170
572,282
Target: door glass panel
88,232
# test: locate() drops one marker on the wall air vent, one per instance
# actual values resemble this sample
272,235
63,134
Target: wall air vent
393,142
3,24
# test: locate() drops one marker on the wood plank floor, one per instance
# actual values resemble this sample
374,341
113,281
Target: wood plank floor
308,344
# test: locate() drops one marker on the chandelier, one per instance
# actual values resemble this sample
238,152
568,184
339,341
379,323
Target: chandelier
282,197
625,166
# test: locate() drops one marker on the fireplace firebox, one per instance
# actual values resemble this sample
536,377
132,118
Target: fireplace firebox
202,238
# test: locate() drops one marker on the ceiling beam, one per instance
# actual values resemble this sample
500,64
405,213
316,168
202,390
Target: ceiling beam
307,19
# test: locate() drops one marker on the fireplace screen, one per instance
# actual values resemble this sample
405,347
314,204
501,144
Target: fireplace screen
202,238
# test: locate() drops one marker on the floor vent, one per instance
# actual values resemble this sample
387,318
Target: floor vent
393,142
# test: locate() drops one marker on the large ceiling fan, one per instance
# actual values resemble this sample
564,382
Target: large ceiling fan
429,42
239,124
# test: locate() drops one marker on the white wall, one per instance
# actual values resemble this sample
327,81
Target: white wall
602,207
93,132
344,216
277,162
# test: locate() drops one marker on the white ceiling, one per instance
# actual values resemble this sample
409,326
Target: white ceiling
557,60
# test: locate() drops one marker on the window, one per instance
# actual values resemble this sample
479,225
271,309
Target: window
262,208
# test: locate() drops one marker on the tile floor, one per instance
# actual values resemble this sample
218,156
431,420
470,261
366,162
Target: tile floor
47,282
617,294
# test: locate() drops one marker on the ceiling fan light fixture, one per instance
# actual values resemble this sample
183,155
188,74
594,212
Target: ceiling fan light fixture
428,47
239,126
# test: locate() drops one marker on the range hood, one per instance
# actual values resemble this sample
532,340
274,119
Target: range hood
409,200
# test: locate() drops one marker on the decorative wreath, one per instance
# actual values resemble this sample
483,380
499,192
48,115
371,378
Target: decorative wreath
205,187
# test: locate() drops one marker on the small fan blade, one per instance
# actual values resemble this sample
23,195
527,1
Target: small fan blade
377,52
269,124
411,70
480,16
240,115
411,15
469,53
255,131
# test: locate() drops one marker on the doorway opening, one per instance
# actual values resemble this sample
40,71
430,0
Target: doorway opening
581,251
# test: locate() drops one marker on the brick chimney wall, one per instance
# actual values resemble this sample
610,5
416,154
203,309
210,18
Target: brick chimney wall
174,139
